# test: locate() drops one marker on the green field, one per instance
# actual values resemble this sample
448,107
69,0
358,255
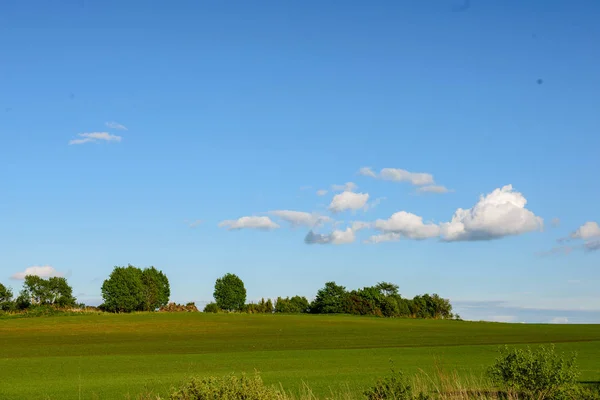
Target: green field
110,356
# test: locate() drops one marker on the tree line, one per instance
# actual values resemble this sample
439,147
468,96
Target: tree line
130,288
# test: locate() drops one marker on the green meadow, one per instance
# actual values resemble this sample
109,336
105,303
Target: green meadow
118,356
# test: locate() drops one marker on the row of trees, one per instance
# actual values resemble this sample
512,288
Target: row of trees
382,300
130,289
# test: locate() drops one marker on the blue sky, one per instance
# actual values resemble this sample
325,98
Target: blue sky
142,131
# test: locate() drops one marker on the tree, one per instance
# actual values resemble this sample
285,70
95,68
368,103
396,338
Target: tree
6,295
124,290
330,299
156,289
387,288
230,293
51,291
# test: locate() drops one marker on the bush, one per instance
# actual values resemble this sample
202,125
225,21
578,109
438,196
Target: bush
211,308
295,305
539,374
263,307
227,388
394,387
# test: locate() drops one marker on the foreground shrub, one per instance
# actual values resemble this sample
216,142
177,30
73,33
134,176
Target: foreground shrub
227,388
539,374
393,387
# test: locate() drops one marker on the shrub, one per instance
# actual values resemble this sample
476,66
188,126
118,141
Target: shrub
211,308
539,374
262,307
394,387
295,305
227,388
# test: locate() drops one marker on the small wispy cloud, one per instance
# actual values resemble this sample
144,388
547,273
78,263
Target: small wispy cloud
95,137
321,192
116,125
347,187
433,189
194,224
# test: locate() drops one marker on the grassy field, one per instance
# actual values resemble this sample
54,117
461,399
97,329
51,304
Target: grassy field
113,356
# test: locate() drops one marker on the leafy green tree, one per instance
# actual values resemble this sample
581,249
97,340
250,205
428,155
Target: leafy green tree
6,295
124,290
330,299
51,291
295,305
230,293
156,289
387,288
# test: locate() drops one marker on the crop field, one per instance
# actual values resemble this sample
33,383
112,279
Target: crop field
111,356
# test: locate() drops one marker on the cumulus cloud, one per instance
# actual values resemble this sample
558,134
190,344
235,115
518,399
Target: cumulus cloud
500,213
298,218
348,201
45,271
347,187
406,225
338,236
433,189
261,223
587,231
335,237
95,137
116,125
321,192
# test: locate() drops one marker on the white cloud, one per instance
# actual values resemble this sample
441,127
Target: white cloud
586,231
402,175
116,125
335,237
500,213
45,271
555,222
95,137
338,236
348,201
298,218
559,320
262,223
367,171
347,187
433,189
384,237
407,225
321,192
